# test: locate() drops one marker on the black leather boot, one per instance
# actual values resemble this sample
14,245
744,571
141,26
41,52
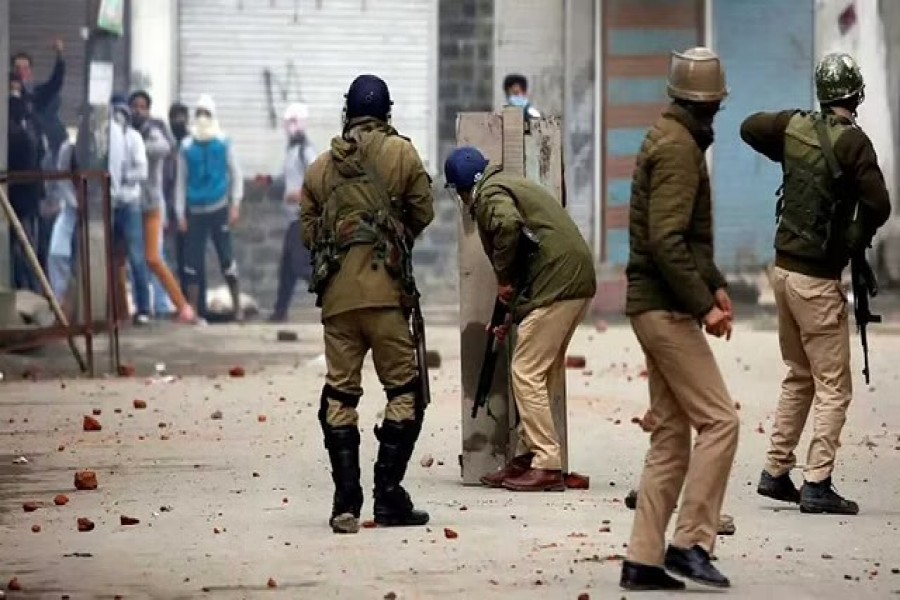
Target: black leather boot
343,450
393,506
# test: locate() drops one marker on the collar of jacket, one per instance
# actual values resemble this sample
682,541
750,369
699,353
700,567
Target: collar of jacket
364,124
829,113
488,173
702,134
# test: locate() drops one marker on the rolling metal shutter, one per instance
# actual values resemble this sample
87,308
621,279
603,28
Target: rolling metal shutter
307,51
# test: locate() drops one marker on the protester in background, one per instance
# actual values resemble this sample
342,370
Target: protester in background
208,192
43,97
515,88
128,172
62,248
294,263
26,148
178,124
158,146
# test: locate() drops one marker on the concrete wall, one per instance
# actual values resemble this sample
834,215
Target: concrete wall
154,51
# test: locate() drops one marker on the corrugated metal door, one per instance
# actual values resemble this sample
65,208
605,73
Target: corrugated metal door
34,24
767,49
311,52
639,36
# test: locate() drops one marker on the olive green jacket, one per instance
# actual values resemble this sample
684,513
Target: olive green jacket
563,268
361,282
670,265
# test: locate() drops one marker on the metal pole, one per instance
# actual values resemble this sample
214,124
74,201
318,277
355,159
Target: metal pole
42,277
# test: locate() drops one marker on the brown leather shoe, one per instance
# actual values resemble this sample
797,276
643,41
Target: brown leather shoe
536,480
513,468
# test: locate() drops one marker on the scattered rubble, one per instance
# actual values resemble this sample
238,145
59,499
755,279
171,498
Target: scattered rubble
140,404
450,534
123,520
91,424
427,461
35,528
236,372
261,418
85,480
271,583
61,500
216,415
287,336
14,585
85,524
30,506
126,370
575,362
20,461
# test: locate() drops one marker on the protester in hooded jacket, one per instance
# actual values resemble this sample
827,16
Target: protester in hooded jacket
128,172
208,192
158,146
62,239
294,264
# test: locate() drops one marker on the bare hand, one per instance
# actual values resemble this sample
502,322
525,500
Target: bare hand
723,301
182,226
717,322
501,332
234,215
58,46
505,293
294,198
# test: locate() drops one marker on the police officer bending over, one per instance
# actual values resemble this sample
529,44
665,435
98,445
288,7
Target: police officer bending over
362,204
830,173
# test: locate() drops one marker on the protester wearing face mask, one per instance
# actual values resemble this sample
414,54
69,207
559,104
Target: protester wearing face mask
158,145
208,192
294,264
515,88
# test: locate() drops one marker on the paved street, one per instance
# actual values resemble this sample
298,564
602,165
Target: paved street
227,503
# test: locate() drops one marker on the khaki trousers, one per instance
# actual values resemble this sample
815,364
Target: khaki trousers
686,391
814,336
348,338
538,364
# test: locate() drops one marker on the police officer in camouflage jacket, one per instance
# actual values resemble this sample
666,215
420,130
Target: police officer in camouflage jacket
833,199
362,205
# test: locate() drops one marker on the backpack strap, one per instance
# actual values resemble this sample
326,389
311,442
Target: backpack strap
827,149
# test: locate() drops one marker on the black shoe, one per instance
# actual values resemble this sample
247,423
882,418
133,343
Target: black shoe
343,451
695,565
277,317
141,320
393,506
644,578
778,488
821,498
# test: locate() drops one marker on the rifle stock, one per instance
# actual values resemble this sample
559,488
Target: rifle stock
418,334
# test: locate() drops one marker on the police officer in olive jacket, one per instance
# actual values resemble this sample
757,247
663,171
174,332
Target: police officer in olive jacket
548,296
826,213
673,287
357,201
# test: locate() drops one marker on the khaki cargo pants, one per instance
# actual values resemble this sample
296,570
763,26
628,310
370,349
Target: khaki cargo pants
348,338
814,336
538,364
686,391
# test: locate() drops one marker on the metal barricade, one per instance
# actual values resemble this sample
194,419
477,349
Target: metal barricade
89,323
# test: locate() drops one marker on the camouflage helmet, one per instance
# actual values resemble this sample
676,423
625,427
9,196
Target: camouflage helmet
696,75
838,77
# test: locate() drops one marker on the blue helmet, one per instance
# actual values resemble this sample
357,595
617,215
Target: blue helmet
464,167
368,96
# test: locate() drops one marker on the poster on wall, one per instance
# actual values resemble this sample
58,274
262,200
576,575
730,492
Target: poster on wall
111,16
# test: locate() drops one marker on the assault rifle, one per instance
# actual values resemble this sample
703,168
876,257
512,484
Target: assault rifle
529,244
865,286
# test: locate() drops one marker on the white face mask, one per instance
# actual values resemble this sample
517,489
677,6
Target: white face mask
518,100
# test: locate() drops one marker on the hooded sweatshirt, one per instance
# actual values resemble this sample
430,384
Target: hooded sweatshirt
158,145
127,159
208,177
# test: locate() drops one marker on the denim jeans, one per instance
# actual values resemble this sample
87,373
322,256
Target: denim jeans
294,266
63,251
201,227
128,230
22,274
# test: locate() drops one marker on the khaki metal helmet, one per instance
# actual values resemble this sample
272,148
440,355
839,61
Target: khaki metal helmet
696,75
838,76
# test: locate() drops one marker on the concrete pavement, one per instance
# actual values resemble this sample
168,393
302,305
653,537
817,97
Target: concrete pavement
264,484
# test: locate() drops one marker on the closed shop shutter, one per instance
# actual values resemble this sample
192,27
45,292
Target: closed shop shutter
775,75
256,57
639,38
34,24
